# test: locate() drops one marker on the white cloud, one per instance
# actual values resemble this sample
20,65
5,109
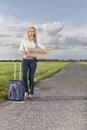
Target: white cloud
52,27
71,30
74,37
68,36
49,32
11,30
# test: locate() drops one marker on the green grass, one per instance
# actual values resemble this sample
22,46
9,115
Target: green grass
85,63
44,69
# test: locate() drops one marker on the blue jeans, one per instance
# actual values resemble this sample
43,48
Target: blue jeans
29,65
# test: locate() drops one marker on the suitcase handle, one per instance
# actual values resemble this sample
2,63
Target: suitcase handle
15,71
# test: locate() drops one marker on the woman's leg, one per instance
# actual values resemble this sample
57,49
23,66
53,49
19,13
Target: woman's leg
32,69
24,74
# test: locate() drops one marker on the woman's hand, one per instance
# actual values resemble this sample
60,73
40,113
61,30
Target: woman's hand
26,56
52,47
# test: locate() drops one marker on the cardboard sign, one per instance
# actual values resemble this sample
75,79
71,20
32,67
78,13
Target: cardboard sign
37,52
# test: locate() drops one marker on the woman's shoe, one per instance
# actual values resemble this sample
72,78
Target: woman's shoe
30,96
26,95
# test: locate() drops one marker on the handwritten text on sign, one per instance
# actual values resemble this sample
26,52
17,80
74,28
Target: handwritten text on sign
37,52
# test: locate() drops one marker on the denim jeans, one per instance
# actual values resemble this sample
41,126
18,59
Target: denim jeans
29,65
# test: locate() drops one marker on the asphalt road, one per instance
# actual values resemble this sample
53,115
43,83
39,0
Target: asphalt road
60,103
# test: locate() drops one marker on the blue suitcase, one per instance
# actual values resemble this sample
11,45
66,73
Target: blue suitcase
16,87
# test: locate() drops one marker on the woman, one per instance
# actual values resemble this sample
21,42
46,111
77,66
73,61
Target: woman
29,62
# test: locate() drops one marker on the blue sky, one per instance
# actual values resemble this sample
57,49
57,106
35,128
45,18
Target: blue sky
62,22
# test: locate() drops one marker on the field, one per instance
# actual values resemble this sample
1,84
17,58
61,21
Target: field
44,69
85,63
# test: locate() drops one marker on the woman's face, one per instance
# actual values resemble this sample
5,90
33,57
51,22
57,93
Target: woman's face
31,32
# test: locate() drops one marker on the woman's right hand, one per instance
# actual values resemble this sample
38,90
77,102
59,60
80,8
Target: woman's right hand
28,56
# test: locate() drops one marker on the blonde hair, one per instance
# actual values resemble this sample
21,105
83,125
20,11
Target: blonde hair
34,36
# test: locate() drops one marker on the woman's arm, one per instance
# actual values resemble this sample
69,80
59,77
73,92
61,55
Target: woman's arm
51,48
25,55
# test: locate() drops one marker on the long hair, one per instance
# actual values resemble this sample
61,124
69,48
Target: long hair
34,36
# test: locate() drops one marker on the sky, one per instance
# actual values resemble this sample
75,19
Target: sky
61,22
